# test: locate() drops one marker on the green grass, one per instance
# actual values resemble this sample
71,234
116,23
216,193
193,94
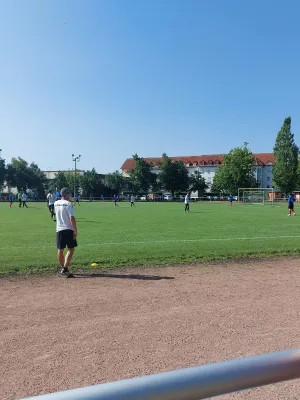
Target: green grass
152,233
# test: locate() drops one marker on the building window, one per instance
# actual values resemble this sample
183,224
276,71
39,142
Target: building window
210,162
268,178
202,163
216,162
195,164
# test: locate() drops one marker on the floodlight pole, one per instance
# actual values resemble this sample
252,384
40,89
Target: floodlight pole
75,159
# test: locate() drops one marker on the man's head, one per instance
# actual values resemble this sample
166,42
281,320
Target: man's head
65,193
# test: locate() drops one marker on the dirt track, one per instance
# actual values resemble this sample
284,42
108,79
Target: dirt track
60,333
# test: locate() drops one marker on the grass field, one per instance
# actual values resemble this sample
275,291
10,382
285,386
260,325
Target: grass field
151,233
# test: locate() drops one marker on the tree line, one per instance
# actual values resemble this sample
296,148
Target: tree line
173,177
236,171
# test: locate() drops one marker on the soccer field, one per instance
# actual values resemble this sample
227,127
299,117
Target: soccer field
151,233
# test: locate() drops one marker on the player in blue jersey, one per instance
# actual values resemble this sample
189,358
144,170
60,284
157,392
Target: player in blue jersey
291,207
76,199
230,199
10,199
116,199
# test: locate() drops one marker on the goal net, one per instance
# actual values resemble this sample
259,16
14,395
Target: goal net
256,195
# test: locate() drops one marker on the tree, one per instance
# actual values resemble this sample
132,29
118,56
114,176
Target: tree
141,176
37,180
59,181
236,171
17,174
286,159
173,176
197,183
2,172
92,184
115,182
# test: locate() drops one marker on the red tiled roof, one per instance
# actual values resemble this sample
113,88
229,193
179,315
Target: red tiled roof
260,159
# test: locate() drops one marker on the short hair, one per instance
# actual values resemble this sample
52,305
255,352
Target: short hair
65,192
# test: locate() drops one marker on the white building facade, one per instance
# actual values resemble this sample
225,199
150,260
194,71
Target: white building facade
209,164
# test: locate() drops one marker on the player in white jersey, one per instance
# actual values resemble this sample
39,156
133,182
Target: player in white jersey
187,203
132,200
24,199
51,197
66,231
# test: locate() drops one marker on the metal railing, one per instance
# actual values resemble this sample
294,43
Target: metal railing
194,383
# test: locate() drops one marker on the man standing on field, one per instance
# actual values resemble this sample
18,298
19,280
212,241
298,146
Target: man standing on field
66,231
187,203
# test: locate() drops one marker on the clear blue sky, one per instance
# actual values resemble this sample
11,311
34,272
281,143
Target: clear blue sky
109,78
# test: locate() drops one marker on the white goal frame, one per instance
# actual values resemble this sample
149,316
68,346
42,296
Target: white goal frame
253,193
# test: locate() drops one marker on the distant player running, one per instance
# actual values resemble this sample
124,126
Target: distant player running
76,199
116,199
10,199
230,199
24,199
66,231
20,199
51,200
132,200
291,201
187,203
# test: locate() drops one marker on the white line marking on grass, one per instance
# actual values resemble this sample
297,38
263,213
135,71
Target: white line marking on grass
190,240
103,244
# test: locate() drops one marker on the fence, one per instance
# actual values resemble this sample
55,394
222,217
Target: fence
194,383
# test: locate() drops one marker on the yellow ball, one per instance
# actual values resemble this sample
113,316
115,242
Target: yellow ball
94,265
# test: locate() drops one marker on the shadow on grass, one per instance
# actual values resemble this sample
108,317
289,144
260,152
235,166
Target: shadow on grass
120,276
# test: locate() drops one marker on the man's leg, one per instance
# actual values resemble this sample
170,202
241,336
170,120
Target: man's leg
25,204
61,257
68,257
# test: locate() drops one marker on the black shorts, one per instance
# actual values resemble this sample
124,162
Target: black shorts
51,207
291,206
65,239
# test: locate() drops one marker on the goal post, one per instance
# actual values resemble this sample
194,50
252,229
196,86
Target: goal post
256,195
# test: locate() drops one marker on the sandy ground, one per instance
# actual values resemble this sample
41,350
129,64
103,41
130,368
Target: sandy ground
58,333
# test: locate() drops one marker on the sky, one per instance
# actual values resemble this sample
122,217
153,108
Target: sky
110,78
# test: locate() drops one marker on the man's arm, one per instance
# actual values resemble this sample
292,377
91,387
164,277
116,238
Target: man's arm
74,226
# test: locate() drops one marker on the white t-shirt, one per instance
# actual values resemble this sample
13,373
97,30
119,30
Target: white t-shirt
51,198
24,197
187,199
63,210
132,199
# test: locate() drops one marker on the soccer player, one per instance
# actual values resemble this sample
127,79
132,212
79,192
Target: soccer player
116,199
51,200
230,198
132,200
66,231
24,199
58,195
187,203
20,199
76,199
10,199
291,201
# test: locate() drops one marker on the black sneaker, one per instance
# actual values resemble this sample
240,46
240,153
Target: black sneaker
65,272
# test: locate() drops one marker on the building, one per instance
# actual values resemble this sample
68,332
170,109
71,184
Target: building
51,174
208,165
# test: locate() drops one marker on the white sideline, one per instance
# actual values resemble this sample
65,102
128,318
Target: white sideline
168,241
191,240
